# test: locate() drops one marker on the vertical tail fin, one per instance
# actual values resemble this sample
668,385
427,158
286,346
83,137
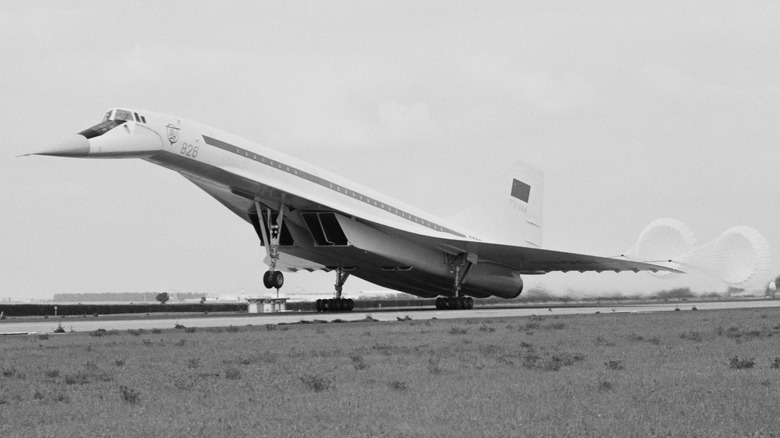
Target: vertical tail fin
510,209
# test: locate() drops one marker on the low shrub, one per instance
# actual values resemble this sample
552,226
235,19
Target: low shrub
12,372
316,383
358,362
398,385
129,395
606,385
232,374
691,336
433,365
735,363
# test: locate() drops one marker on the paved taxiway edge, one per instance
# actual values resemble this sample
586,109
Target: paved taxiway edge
9,327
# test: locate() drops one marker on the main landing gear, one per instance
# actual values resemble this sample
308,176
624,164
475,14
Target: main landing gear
447,303
337,304
459,266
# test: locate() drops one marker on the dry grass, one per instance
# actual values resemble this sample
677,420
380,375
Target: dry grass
703,373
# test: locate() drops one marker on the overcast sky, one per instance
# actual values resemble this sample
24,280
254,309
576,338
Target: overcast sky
635,111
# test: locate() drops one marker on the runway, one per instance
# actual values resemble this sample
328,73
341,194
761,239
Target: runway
77,324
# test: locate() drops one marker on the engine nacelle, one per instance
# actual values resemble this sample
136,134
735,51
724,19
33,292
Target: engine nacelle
485,279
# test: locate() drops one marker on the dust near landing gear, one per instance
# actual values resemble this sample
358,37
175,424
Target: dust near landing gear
273,279
335,305
451,303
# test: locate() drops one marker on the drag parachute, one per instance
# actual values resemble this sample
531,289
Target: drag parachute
737,256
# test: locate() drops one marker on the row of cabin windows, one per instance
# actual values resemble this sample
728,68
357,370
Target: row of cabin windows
385,207
344,190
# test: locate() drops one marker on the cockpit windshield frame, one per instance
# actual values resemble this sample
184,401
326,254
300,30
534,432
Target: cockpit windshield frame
101,128
111,120
125,115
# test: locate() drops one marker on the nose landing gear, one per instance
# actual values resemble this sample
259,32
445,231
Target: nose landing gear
272,278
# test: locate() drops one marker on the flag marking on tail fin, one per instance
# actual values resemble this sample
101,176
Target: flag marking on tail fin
520,190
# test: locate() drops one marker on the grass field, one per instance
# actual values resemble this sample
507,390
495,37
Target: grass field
687,373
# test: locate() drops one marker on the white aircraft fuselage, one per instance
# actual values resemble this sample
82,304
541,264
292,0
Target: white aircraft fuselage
308,218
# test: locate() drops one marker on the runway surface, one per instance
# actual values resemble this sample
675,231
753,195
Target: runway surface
77,324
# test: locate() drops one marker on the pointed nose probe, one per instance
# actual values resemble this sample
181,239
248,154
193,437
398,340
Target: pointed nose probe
74,146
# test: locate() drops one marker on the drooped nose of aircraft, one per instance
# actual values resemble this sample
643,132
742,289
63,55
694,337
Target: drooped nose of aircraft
73,146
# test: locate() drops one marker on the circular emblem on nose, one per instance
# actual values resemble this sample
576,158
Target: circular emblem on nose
173,133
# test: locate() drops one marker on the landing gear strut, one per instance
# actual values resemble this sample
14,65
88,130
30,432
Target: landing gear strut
272,278
460,266
337,304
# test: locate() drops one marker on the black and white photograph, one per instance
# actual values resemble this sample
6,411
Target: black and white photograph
390,218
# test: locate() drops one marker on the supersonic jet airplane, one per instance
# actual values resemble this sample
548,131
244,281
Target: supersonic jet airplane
309,219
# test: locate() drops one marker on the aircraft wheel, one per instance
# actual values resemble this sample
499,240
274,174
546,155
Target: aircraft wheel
351,304
267,280
318,305
462,304
277,279
438,303
469,303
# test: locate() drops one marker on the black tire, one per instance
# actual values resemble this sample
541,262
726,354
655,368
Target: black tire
318,305
277,279
438,303
469,303
350,304
267,280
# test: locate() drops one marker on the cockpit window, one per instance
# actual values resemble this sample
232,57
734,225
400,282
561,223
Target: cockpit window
119,117
123,115
101,128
